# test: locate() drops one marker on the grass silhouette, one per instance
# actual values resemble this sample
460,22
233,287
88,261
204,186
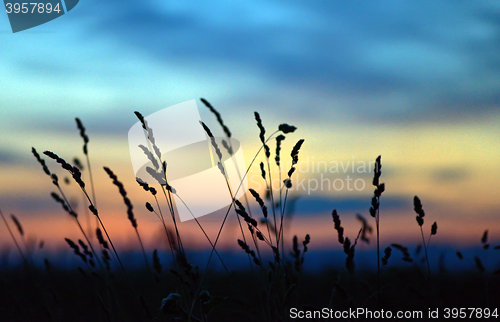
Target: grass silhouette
275,281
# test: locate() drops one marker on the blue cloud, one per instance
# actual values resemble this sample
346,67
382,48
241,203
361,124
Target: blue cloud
382,61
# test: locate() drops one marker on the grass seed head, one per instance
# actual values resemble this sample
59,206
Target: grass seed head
101,239
212,139
484,239
295,151
262,134
285,128
347,245
250,252
259,200
387,255
18,224
218,116
83,135
338,226
434,228
123,193
279,139
41,161
170,304
262,171
227,147
306,242
145,186
417,206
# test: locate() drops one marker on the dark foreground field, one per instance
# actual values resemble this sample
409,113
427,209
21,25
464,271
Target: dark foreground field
47,294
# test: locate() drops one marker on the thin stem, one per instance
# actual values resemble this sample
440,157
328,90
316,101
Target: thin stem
91,185
281,197
282,227
267,221
232,203
426,255
166,231
88,219
143,250
79,224
171,209
203,230
114,250
12,235
272,200
227,213
88,241
91,181
249,210
377,220
107,236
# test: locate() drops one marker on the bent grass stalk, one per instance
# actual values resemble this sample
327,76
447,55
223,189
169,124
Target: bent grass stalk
223,171
65,203
232,203
203,230
237,190
77,177
168,199
130,212
229,148
285,129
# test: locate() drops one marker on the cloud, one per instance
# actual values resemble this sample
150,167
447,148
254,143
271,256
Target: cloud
450,174
30,205
306,205
11,157
394,61
383,61
7,157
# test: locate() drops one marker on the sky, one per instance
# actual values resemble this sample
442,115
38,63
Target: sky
415,82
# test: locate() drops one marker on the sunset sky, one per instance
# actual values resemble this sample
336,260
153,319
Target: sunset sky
415,82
